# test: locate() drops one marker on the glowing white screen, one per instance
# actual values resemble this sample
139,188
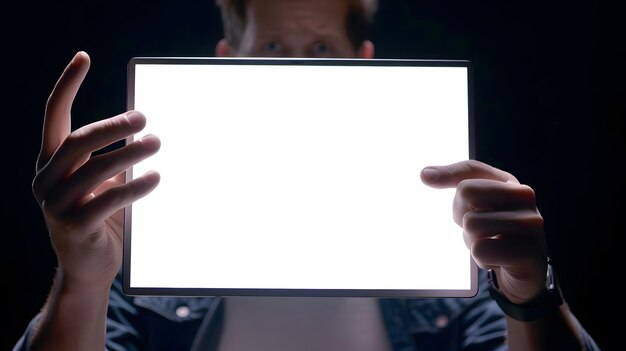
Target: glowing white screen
299,177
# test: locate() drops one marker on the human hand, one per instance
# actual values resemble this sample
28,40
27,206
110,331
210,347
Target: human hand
82,196
501,224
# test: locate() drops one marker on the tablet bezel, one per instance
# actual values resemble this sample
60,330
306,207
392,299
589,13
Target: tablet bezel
399,293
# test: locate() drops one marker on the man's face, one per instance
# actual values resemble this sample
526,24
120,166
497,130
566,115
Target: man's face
296,28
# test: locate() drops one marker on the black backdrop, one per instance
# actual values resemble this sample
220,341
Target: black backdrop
549,103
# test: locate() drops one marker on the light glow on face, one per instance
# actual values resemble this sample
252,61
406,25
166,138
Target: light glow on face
300,28
299,177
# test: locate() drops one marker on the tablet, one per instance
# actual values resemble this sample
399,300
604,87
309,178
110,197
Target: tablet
299,177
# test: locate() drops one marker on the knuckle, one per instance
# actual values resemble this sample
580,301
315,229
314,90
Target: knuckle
115,197
92,168
534,221
37,187
473,163
73,139
50,102
469,221
135,190
48,207
528,192
117,122
465,188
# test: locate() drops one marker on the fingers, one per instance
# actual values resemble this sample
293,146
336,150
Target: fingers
57,120
479,187
78,146
111,200
519,263
509,253
491,195
450,176
97,170
505,225
501,224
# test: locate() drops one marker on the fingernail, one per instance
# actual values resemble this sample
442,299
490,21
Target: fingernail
76,55
136,119
430,174
151,142
152,177
72,61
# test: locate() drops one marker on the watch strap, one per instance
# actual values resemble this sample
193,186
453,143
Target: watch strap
541,306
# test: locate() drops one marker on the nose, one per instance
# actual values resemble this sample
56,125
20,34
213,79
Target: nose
297,53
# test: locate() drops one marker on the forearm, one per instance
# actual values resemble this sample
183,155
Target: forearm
559,331
73,318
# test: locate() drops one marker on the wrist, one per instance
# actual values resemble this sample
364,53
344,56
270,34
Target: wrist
73,317
546,303
67,285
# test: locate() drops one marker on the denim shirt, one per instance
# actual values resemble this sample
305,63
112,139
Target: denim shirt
194,323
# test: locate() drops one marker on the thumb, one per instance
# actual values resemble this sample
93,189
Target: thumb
449,176
57,119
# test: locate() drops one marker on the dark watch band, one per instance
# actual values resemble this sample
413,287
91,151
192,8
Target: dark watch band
541,306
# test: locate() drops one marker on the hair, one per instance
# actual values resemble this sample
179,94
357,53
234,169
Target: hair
360,17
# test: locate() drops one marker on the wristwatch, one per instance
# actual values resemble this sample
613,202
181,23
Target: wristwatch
539,307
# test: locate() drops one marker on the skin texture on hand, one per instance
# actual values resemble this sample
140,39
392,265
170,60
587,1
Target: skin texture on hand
82,196
502,226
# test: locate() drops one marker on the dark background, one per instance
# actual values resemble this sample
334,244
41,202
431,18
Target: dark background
549,106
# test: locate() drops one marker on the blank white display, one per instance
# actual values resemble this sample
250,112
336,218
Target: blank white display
299,177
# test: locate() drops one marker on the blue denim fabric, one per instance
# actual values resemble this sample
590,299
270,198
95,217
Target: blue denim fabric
413,324
151,323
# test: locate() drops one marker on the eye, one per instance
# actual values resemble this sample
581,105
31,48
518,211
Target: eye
322,49
272,47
